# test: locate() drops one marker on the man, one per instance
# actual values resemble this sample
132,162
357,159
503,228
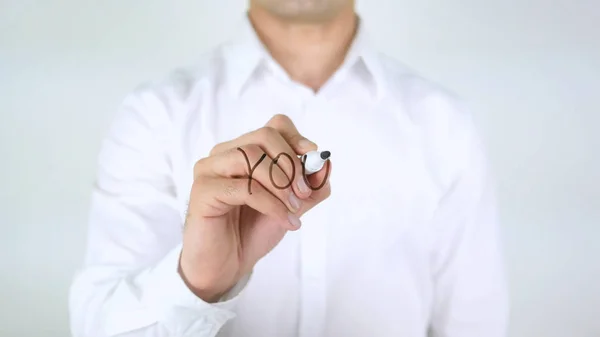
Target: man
401,240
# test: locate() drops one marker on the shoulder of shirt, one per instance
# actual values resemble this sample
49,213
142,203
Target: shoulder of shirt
183,79
443,119
424,100
182,85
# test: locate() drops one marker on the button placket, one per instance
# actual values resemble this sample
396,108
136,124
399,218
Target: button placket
313,249
313,276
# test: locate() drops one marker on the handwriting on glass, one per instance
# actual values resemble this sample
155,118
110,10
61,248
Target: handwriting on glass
274,162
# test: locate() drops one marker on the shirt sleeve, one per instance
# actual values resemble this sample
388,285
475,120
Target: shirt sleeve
129,285
470,297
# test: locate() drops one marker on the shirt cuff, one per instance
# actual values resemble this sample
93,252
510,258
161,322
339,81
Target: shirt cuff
179,309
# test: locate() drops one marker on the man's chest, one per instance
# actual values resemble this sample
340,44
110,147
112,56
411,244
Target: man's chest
371,232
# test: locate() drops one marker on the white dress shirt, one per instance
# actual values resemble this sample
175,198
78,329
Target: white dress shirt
407,245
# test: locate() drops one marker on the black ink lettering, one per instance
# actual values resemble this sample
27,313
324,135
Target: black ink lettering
251,169
274,161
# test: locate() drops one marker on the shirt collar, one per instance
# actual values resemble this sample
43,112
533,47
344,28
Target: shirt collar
246,53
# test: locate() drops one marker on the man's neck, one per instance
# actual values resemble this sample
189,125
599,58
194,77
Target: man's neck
309,52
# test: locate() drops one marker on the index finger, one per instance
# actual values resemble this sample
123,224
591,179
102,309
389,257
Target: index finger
284,125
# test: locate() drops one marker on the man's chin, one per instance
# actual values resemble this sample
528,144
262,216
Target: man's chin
298,11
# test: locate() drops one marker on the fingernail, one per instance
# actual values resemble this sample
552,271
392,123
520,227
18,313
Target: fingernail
294,201
294,220
302,186
306,144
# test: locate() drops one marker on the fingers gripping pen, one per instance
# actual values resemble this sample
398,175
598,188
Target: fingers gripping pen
314,161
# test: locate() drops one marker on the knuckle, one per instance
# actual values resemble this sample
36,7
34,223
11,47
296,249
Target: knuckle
296,138
230,152
280,119
253,151
198,167
216,149
267,133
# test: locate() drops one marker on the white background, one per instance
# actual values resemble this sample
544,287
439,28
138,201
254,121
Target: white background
530,68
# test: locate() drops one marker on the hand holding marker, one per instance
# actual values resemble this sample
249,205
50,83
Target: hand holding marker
228,229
